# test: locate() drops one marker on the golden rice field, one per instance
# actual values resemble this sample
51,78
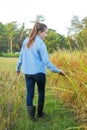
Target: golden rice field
65,101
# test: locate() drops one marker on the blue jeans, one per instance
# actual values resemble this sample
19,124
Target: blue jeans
40,79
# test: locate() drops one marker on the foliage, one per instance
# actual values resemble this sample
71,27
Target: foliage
66,97
77,33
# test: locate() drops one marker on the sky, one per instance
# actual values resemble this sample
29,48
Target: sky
58,13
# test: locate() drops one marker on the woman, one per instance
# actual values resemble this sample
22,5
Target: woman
34,60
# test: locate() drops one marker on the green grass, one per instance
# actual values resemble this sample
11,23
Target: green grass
9,55
57,117
13,111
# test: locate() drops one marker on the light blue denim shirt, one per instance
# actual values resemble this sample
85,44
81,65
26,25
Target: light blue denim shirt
35,59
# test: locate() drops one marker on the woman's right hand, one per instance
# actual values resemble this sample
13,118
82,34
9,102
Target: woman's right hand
18,72
62,73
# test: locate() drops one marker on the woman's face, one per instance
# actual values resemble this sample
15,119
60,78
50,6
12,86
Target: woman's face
43,34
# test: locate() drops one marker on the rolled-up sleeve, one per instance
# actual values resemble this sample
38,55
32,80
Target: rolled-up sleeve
45,58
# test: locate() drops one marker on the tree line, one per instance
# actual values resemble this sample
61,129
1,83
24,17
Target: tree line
12,36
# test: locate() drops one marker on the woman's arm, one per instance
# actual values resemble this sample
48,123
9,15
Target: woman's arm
46,60
19,63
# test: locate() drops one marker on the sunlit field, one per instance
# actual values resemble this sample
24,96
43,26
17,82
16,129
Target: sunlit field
65,101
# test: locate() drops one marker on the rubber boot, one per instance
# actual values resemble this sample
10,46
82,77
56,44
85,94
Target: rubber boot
40,112
31,112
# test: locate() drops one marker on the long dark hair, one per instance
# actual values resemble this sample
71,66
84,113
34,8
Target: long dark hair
37,27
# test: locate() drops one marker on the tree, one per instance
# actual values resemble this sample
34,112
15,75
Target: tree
20,35
11,29
3,38
78,32
76,25
84,22
54,41
39,18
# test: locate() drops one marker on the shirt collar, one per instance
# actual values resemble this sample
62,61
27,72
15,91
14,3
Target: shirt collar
37,36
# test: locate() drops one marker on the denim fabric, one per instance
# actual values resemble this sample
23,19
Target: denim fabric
40,80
